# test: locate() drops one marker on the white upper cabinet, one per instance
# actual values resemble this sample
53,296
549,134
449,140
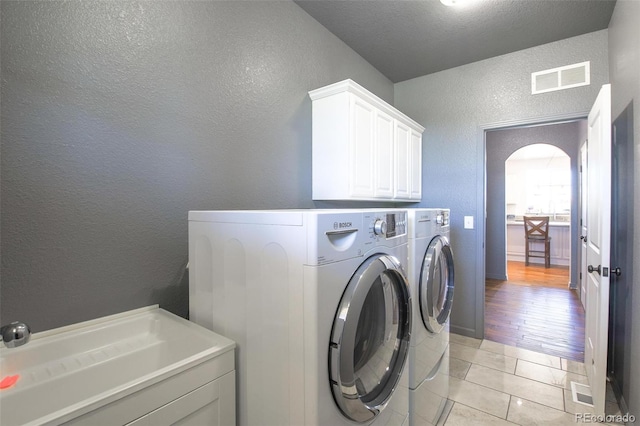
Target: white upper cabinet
363,148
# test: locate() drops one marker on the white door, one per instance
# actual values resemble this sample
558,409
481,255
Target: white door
583,223
361,150
402,160
415,171
383,173
598,246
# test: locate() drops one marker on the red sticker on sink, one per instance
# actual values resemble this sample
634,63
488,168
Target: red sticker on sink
9,381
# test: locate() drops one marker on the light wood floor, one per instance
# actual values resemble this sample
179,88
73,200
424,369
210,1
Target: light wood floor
535,310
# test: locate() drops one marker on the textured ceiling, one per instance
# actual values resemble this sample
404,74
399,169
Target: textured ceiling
407,39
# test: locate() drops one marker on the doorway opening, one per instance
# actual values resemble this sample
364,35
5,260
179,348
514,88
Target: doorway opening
538,184
533,170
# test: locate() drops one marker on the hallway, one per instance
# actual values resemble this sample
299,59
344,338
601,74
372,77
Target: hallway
534,309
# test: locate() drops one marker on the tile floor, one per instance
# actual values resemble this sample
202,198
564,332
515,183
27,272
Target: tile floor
495,384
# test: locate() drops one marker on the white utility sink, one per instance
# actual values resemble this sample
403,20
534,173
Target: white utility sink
77,371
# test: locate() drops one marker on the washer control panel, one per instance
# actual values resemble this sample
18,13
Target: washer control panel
347,234
380,227
390,224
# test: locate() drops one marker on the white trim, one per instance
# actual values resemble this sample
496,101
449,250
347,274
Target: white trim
351,86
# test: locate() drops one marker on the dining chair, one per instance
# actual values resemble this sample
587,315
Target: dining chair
536,231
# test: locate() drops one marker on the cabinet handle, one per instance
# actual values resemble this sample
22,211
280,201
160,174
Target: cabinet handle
583,237
617,272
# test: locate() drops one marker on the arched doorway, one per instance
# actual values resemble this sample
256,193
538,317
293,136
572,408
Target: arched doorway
538,183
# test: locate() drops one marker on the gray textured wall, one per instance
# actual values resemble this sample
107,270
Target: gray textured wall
119,117
455,106
500,144
624,66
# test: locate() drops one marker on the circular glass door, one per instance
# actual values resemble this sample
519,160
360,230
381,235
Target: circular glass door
370,338
436,284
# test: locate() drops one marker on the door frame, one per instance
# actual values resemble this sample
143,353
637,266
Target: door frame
622,254
583,230
481,197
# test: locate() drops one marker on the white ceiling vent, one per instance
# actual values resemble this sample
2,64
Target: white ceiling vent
560,78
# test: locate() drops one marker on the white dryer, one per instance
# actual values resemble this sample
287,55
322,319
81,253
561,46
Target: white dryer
431,278
319,306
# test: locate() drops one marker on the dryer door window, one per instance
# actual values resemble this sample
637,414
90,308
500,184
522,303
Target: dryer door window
370,338
436,284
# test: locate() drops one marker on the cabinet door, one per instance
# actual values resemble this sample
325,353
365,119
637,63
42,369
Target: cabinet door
566,243
402,161
416,165
361,149
556,234
515,242
384,156
212,404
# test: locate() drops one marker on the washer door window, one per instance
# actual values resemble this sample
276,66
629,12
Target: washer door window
436,284
370,338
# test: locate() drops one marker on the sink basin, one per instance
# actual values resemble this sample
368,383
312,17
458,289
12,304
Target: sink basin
66,372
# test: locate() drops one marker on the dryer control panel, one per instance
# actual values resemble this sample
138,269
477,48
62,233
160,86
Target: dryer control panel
443,218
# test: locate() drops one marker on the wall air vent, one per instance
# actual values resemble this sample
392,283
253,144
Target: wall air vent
560,78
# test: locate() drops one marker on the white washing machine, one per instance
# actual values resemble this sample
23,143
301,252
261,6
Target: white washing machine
319,306
431,278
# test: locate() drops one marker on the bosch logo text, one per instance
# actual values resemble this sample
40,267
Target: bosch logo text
338,225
